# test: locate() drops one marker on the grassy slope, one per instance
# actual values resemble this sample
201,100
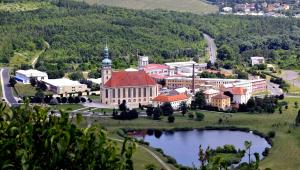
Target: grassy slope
284,154
27,90
194,6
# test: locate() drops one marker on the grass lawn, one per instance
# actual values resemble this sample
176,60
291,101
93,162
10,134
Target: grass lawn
25,57
193,6
266,92
67,107
283,155
0,89
23,6
95,98
293,89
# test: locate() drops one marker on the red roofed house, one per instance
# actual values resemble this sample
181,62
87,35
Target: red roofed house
175,100
239,95
134,86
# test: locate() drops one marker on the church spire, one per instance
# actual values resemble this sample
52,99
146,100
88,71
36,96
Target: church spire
106,62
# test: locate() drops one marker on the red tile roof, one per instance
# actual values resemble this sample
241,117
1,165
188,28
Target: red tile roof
127,79
238,91
220,96
165,98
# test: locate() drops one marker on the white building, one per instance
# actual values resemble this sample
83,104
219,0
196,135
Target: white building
227,9
143,61
24,76
239,95
65,86
209,93
257,60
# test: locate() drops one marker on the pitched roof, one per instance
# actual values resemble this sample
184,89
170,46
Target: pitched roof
238,91
220,96
165,98
211,91
127,79
155,67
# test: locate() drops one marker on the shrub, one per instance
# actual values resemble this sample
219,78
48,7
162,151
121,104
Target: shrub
171,119
271,134
171,160
220,120
199,116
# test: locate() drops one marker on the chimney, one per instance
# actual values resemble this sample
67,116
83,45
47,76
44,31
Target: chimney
193,80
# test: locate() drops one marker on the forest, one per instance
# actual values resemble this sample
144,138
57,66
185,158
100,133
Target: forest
77,33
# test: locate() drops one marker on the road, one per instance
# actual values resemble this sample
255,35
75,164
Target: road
6,90
212,48
291,77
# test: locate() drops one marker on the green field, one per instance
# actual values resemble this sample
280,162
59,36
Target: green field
0,89
23,6
67,107
193,6
284,154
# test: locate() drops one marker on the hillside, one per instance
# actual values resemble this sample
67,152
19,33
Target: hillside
193,6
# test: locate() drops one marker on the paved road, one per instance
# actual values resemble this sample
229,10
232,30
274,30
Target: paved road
291,76
212,48
7,91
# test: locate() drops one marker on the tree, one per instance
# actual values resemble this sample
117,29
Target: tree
149,111
280,109
204,156
76,75
76,99
171,119
199,116
12,81
248,145
39,96
156,113
167,109
123,106
35,140
33,81
200,100
296,104
225,53
183,107
42,85
298,119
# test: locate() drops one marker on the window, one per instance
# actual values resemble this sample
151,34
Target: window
114,93
124,93
129,92
119,91
145,92
140,92
151,91
134,92
106,93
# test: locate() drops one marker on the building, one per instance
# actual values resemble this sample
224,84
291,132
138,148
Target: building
227,9
178,82
258,85
143,61
24,76
239,95
209,93
221,101
175,100
65,86
257,60
132,86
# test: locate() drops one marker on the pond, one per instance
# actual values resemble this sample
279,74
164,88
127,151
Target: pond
184,145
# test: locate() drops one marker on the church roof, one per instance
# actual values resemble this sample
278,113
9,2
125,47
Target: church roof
127,79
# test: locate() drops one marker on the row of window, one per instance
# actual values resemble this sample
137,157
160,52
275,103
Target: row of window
131,92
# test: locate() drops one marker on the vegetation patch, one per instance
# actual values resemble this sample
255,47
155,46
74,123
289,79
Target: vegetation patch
23,6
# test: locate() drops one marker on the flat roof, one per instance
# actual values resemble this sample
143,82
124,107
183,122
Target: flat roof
32,73
62,82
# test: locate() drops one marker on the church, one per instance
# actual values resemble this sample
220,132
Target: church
135,87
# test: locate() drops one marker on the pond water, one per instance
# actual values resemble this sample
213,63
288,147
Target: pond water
184,145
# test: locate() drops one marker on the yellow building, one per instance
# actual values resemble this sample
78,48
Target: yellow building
221,101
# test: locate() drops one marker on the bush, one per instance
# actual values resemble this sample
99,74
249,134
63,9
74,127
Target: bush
171,119
271,134
266,151
199,116
191,115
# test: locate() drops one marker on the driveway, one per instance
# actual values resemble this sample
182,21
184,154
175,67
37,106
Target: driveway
7,91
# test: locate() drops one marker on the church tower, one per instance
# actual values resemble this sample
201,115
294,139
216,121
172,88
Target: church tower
106,70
